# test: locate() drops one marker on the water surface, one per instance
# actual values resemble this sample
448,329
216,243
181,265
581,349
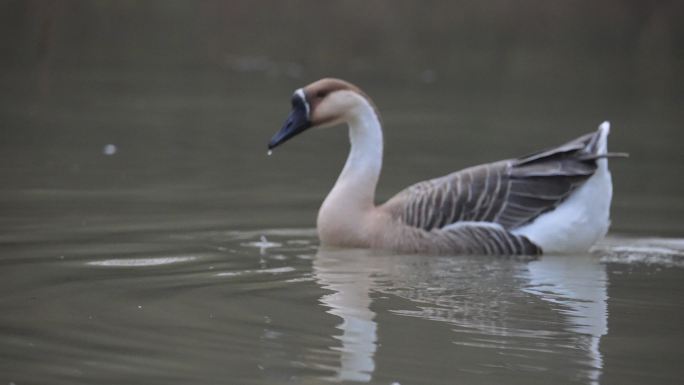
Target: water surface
146,238
213,305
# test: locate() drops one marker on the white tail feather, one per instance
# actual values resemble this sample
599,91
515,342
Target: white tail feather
583,218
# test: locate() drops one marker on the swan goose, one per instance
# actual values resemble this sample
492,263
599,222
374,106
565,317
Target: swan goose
556,200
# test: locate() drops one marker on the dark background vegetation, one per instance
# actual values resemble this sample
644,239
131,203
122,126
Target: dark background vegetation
500,44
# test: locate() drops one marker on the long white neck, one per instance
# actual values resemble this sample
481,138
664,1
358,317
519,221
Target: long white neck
354,191
364,163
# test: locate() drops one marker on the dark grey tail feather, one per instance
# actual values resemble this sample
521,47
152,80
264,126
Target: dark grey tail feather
573,146
606,155
585,148
592,146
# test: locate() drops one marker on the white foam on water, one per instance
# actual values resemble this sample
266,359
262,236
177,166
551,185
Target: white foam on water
667,252
137,262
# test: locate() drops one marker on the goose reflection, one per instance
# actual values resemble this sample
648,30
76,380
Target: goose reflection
519,309
579,283
350,277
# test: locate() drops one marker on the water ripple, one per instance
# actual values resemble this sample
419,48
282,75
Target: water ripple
138,262
665,252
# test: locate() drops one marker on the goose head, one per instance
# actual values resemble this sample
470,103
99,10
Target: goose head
324,103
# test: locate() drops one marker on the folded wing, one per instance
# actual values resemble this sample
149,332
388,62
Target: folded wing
510,193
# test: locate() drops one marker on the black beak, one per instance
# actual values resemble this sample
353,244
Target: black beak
296,123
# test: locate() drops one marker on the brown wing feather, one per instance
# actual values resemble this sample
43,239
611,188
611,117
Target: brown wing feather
510,193
476,238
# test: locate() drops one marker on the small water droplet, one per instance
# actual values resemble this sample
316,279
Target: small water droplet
109,149
269,153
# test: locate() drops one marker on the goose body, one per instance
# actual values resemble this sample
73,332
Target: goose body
554,201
